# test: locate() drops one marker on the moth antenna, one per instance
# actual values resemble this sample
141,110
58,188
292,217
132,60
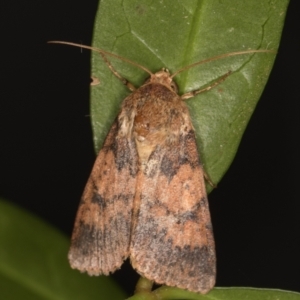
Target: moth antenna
220,57
102,52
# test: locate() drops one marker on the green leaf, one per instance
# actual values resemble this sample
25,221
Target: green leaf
34,265
160,34
233,293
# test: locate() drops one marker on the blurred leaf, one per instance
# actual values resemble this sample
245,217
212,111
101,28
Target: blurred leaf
160,34
34,265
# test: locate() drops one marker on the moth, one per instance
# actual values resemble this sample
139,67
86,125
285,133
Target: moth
145,198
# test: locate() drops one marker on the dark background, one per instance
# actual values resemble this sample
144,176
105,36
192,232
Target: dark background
46,148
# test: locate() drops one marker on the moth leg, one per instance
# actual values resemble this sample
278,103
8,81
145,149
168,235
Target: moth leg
130,86
196,92
208,179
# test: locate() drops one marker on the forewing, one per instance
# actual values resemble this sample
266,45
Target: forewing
101,236
172,240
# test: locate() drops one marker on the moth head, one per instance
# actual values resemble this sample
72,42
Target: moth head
163,77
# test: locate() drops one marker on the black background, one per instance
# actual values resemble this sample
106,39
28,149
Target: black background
47,150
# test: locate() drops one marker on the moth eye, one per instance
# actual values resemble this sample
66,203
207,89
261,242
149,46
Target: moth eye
174,87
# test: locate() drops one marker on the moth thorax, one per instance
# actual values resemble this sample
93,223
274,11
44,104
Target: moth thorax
141,127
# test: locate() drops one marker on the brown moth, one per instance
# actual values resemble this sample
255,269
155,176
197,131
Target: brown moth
145,198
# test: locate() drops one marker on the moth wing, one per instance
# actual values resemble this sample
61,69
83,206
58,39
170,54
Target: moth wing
172,241
101,236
